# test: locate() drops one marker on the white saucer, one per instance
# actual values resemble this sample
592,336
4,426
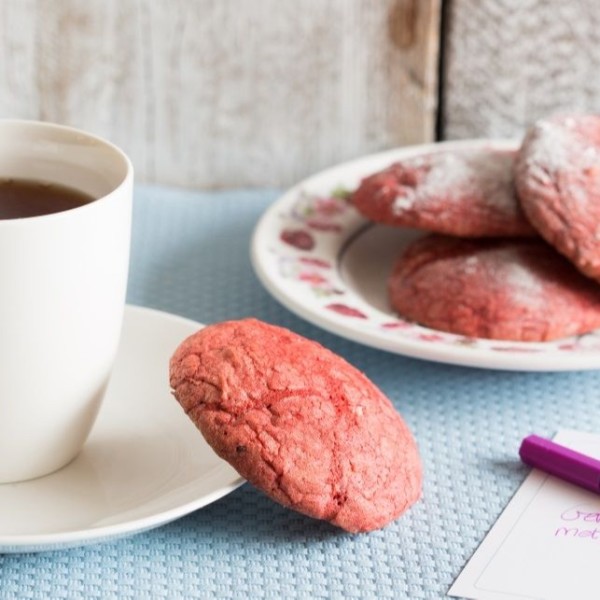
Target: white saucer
321,259
144,464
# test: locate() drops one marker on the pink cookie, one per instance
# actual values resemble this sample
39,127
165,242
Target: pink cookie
298,422
517,289
466,193
557,174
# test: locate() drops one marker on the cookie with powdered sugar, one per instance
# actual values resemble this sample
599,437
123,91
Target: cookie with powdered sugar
468,193
298,422
504,289
557,175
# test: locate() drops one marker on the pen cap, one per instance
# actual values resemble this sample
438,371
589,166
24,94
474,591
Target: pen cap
562,462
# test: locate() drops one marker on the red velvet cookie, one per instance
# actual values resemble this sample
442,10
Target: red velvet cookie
516,289
467,193
298,422
557,175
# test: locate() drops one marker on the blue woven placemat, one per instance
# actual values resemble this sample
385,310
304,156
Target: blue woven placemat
190,256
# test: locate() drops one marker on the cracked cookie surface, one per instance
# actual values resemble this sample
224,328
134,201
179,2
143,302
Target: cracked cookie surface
466,193
557,175
298,422
505,289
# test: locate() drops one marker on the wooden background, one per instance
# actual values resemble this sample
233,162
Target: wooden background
239,93
226,93
509,62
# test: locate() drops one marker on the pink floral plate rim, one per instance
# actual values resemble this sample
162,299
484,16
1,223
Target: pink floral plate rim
299,249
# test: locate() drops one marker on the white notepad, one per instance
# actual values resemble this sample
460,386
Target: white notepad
546,543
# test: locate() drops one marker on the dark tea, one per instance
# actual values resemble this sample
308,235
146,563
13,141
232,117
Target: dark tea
29,198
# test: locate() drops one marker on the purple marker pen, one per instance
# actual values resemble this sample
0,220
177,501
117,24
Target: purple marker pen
562,462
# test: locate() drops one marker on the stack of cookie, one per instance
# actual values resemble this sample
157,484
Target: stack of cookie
514,248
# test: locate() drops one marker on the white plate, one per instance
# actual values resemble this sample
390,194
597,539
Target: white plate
332,271
144,464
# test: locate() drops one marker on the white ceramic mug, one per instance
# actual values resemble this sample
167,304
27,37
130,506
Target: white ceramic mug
63,280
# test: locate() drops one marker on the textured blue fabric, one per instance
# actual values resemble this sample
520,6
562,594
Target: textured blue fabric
190,256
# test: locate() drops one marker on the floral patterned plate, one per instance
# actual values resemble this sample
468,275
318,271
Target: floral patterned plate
321,259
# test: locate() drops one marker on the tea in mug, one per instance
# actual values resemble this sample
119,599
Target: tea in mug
21,198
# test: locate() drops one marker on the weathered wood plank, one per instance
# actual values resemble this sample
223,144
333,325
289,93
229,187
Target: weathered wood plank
509,62
230,93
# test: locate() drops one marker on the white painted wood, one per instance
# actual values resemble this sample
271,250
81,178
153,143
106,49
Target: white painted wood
226,93
510,62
